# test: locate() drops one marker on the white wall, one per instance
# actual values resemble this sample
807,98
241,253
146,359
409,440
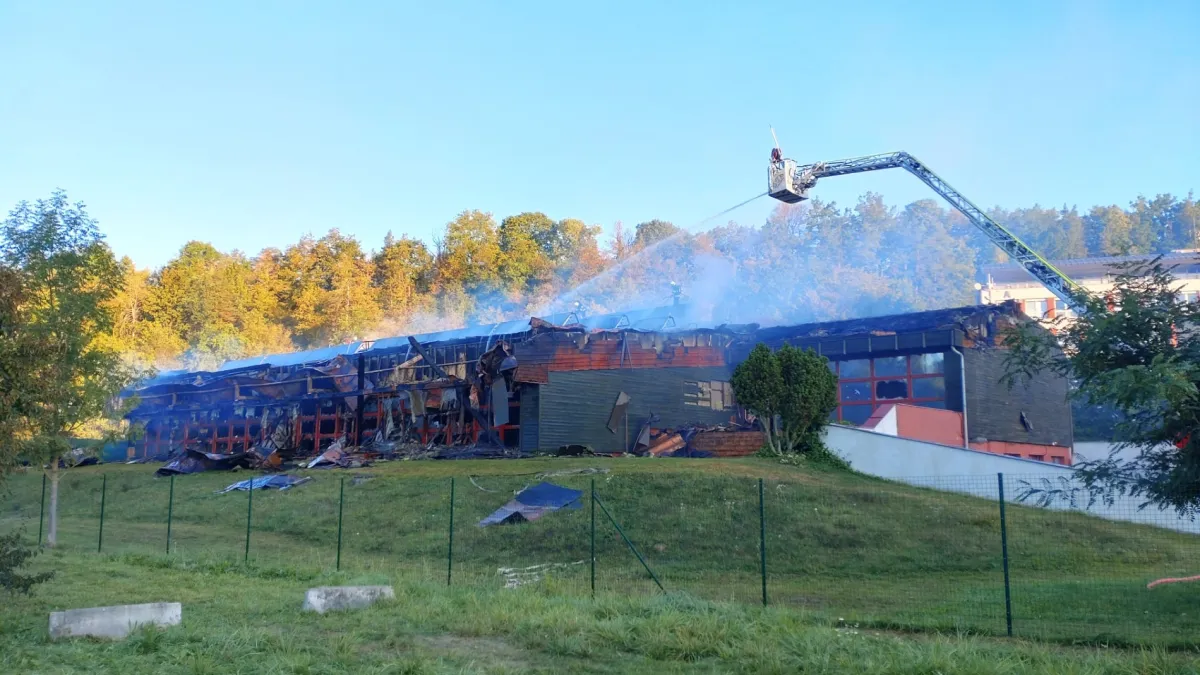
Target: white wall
888,423
943,467
1094,450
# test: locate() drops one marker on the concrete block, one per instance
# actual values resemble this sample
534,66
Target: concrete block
113,622
332,598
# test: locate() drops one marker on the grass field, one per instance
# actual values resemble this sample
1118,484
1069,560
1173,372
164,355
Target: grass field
847,556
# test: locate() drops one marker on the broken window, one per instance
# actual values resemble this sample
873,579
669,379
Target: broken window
712,394
891,389
913,380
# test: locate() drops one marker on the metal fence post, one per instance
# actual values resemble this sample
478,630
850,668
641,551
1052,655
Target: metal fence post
249,516
450,549
103,494
341,505
593,494
762,538
1004,551
629,543
170,512
42,514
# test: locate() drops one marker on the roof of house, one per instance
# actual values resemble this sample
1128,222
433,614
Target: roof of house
1184,262
657,319
914,322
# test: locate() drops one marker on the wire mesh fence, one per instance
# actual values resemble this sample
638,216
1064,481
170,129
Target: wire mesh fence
967,554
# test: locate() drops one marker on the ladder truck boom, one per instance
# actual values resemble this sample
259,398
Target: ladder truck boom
790,183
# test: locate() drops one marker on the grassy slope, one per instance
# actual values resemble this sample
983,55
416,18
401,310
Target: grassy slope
840,546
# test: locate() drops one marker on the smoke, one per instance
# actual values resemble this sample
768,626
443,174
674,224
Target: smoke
807,263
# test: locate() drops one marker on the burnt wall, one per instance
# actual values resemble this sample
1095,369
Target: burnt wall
575,406
530,413
994,411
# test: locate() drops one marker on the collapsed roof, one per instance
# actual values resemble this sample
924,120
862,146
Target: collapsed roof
392,363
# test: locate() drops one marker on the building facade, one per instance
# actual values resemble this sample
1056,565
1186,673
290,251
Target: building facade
602,382
1011,282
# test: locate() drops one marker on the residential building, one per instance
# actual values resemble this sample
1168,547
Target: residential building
1012,282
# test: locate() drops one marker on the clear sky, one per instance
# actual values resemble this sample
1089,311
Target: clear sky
247,124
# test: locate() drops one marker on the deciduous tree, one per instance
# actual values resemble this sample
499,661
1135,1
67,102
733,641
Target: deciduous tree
791,392
70,277
1140,358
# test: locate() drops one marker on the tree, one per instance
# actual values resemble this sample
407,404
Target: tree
329,295
19,396
70,276
791,392
651,232
810,394
526,241
1140,358
1112,230
758,387
468,263
403,271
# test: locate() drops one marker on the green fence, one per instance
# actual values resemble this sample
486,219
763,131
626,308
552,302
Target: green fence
950,556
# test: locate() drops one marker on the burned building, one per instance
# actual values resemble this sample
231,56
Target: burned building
604,382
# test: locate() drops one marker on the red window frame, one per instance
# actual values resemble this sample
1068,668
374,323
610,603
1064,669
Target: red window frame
872,378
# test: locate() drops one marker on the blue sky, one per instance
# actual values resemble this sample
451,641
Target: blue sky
249,124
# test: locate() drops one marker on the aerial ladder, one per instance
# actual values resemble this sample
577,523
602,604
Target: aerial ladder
790,183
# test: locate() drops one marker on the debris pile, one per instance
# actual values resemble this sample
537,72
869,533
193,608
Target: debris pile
194,461
515,577
279,482
682,442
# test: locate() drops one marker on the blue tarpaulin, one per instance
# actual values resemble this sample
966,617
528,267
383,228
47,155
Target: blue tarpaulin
533,503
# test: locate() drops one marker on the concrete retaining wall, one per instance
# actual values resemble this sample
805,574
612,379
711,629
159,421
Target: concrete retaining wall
113,622
333,598
942,467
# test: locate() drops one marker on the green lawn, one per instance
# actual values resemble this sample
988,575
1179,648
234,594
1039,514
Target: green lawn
247,620
843,550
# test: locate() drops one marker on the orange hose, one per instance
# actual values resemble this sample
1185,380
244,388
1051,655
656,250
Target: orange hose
1173,580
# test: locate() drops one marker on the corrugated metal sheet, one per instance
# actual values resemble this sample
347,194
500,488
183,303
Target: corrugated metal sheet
530,414
575,405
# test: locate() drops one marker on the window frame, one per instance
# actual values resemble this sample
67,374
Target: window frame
872,379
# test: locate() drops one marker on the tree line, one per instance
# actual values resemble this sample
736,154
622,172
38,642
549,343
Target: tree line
809,262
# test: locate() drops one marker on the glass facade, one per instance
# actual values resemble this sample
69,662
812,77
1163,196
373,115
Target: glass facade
866,384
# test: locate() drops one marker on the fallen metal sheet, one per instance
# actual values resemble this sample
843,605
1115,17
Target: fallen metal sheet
618,412
279,482
667,444
194,461
532,503
499,403
334,455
